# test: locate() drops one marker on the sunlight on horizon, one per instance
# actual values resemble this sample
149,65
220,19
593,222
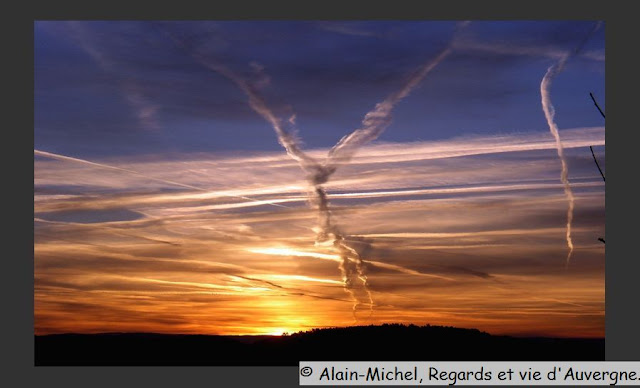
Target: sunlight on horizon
259,178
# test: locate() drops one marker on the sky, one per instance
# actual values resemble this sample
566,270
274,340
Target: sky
165,201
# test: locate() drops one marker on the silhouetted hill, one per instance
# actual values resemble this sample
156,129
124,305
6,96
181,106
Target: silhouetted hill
359,343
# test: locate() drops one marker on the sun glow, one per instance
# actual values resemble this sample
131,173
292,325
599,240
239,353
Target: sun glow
278,331
293,252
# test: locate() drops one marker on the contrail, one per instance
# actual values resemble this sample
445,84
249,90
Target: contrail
115,230
549,113
287,139
339,259
289,290
132,172
109,167
377,120
373,124
133,94
317,173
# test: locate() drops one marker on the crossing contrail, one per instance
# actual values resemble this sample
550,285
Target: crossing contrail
352,266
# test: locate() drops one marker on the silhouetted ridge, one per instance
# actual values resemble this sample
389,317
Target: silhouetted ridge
388,342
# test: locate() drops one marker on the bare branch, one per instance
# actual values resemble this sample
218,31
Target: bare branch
597,106
596,160
590,147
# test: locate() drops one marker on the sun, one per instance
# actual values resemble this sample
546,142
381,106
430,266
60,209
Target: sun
277,331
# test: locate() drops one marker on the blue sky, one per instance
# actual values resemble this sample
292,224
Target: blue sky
122,88
164,202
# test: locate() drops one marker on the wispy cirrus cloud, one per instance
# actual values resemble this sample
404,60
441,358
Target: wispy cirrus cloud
142,106
479,214
457,212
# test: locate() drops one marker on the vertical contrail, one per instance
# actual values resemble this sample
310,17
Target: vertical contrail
352,266
373,124
317,174
549,113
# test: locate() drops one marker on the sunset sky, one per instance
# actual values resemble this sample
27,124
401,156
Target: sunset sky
164,202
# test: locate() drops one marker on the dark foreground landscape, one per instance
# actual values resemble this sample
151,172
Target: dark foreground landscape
359,343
